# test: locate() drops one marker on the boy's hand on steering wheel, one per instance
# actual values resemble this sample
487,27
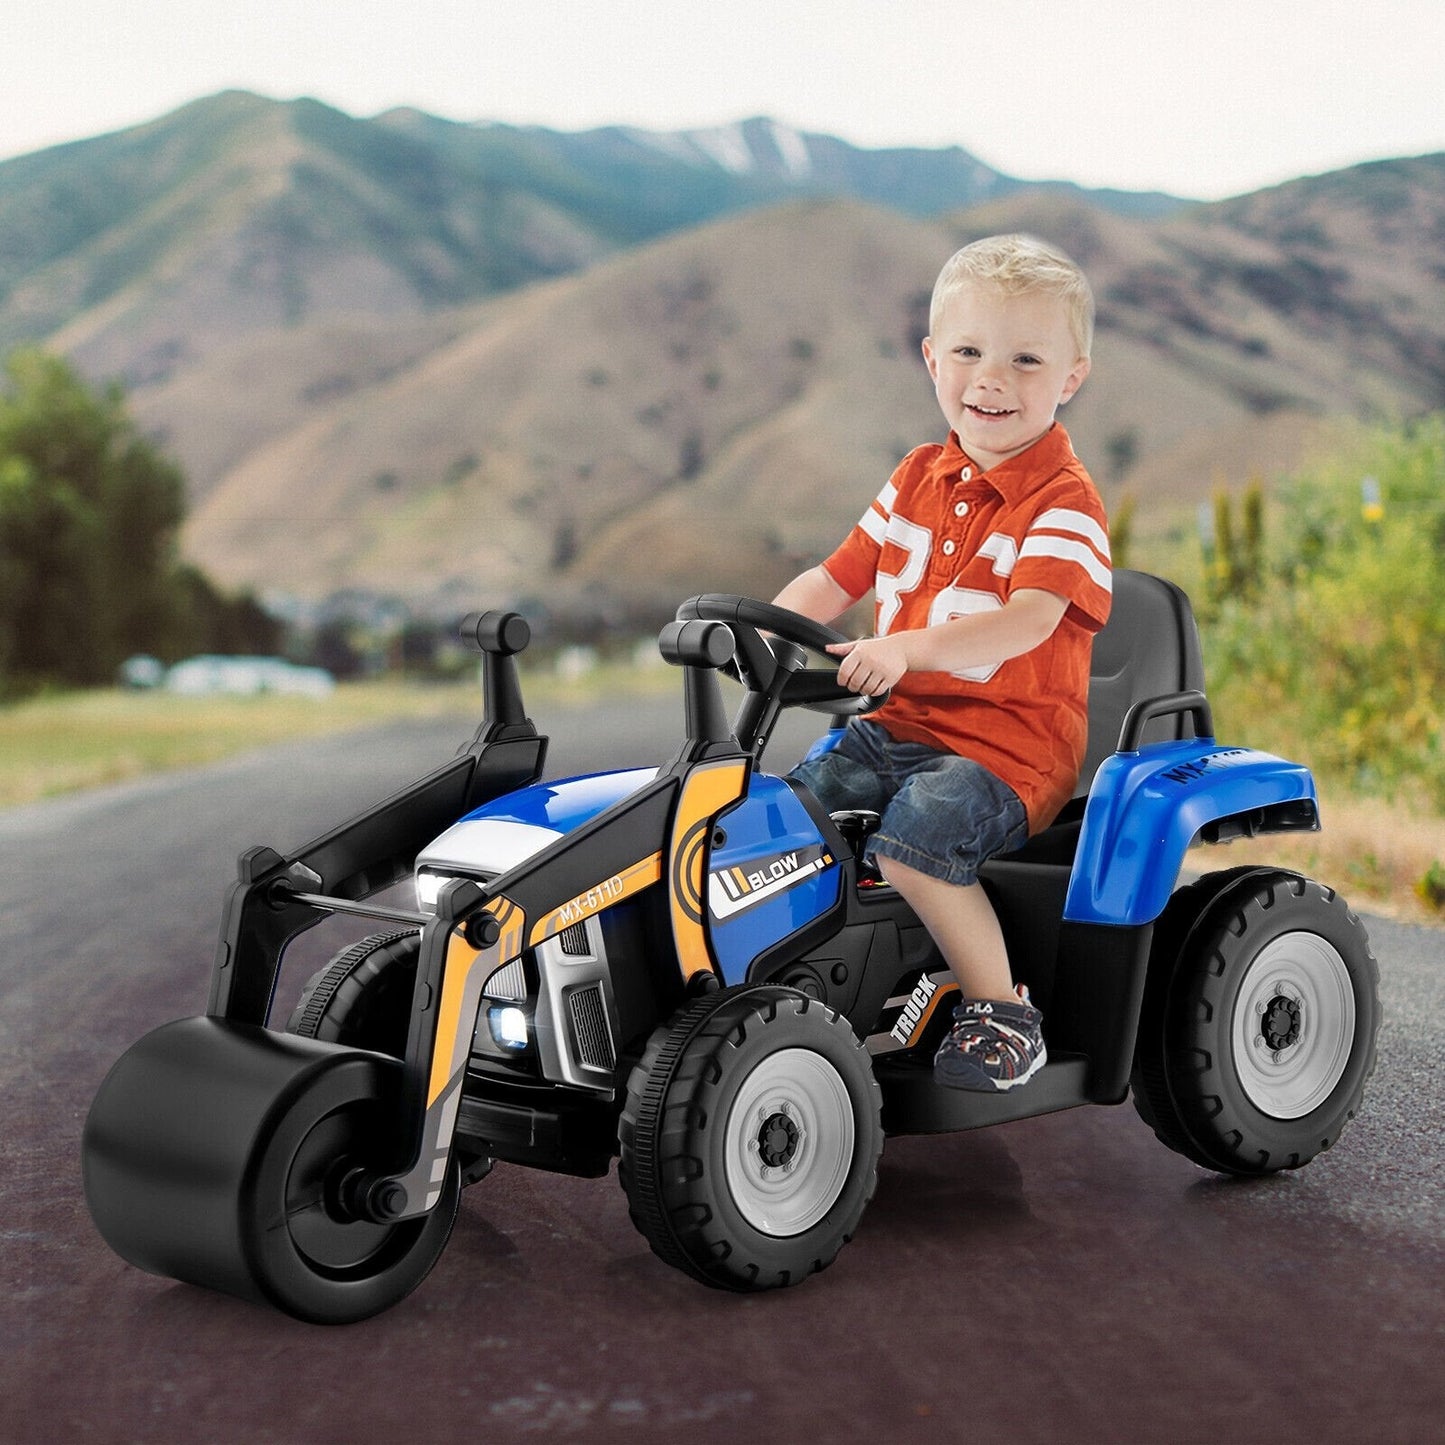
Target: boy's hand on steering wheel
871,665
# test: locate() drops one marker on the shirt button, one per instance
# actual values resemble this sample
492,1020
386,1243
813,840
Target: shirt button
961,510
966,475
949,548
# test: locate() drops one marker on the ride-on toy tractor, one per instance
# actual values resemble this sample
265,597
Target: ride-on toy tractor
688,967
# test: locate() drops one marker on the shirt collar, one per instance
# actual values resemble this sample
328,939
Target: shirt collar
1018,475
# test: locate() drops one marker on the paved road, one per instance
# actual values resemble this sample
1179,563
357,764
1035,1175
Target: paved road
1065,1278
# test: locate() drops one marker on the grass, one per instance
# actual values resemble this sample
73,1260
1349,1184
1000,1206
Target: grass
66,742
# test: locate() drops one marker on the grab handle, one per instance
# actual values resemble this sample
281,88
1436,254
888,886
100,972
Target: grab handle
1143,713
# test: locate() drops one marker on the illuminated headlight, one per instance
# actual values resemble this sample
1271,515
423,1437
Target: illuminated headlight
428,889
508,1025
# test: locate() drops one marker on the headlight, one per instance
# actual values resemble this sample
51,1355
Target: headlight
428,889
508,1024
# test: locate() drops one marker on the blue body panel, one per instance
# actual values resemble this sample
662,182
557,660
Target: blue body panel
771,874
824,744
565,804
1144,810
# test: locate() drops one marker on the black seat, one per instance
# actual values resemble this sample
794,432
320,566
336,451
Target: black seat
1148,648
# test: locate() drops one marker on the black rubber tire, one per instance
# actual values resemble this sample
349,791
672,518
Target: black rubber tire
1207,1077
742,1077
363,999
211,1155
363,996
1173,928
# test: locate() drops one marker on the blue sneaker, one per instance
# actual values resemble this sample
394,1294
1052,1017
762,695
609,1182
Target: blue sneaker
992,1046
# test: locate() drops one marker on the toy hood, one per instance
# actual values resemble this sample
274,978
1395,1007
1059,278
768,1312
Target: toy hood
506,831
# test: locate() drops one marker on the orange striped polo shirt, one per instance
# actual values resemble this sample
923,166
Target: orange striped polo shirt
943,540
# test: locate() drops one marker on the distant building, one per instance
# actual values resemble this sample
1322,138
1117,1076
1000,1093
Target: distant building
141,672
211,675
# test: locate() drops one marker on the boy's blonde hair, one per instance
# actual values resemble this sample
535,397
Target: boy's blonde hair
1019,263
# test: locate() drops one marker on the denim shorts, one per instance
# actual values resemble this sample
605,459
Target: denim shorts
941,814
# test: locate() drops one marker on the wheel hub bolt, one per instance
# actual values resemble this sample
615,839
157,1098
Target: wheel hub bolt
1280,1025
777,1140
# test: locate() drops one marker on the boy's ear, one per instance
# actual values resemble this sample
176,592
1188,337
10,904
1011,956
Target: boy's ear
1075,378
929,360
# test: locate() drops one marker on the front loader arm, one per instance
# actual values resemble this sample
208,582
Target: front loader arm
377,848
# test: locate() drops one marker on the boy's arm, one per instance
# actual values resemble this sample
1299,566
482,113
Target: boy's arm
982,639
815,594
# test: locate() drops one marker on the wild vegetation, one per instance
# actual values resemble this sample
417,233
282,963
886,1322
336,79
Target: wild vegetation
1322,613
1325,627
89,512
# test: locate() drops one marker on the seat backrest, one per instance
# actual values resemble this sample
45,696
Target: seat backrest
1149,647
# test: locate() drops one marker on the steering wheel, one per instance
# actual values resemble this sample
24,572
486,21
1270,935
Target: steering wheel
759,667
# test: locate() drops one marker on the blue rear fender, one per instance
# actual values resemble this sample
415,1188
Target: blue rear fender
1146,807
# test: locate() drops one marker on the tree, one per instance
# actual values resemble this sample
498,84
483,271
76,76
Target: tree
89,511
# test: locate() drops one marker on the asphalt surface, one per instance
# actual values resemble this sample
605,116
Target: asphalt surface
1065,1278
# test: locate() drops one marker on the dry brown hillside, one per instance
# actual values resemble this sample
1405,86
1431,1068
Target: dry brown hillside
712,410
696,413
352,335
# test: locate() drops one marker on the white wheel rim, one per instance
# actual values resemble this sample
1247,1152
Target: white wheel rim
789,1141
1293,1025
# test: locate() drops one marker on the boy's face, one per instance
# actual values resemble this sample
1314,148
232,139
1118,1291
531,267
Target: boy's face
1001,366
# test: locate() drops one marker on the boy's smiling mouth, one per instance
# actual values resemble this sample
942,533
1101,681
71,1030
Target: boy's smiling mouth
990,411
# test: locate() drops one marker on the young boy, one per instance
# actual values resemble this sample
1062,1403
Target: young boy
988,557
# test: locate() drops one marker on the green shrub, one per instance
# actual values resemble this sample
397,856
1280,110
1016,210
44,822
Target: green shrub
1430,889
1339,656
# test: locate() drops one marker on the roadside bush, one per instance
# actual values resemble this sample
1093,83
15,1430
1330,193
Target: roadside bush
1340,653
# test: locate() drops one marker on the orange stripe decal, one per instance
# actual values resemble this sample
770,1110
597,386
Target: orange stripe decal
947,991
604,894
461,984
709,789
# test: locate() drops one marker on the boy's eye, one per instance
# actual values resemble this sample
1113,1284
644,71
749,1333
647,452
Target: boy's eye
1027,359
967,352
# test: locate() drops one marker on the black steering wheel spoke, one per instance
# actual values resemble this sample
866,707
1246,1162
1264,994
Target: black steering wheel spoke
774,680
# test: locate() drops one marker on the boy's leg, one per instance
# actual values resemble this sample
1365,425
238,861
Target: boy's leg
961,921
945,821
847,776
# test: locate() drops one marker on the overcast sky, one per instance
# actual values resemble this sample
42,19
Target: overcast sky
1201,99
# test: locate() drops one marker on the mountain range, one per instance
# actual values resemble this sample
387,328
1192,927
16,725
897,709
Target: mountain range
471,365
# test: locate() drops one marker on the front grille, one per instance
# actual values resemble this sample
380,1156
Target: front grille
593,1038
509,981
574,942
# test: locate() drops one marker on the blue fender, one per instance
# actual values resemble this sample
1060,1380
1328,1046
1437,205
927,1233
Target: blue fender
1146,807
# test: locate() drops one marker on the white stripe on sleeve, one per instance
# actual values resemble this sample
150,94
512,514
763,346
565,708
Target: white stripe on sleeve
874,521
1065,519
1066,551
